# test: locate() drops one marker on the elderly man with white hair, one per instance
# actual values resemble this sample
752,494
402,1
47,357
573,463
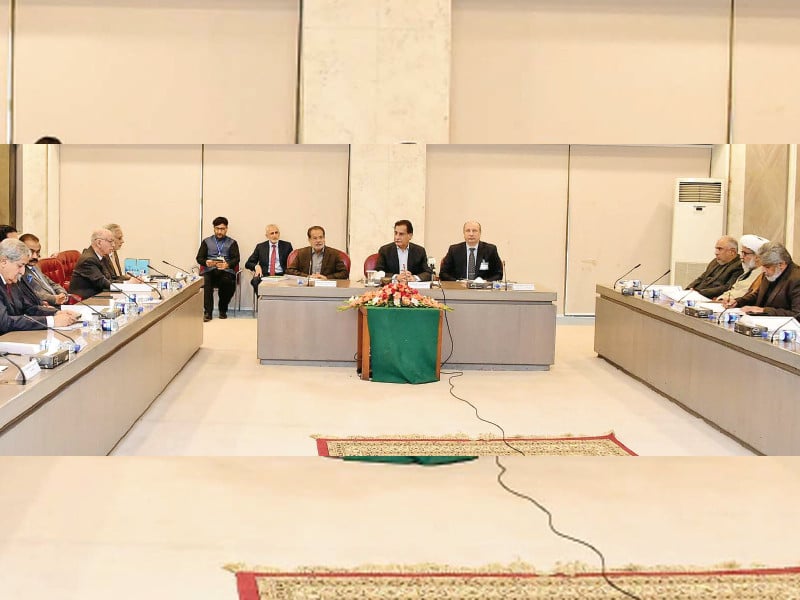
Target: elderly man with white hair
93,272
749,245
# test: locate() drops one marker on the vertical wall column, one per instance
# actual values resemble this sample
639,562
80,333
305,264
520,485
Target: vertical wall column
38,202
375,71
387,183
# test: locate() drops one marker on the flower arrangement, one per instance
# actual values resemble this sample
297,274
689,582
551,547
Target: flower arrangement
394,294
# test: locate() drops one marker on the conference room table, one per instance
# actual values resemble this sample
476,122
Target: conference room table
490,329
745,386
85,406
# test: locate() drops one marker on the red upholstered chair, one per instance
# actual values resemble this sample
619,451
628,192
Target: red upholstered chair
53,269
68,259
369,264
290,258
346,260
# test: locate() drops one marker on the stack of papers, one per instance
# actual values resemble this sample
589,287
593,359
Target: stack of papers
683,296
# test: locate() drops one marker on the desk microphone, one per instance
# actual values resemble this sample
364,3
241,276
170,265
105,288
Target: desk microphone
92,308
311,265
21,372
75,346
152,287
432,267
652,282
131,298
722,314
505,275
621,276
187,271
162,273
789,320
684,296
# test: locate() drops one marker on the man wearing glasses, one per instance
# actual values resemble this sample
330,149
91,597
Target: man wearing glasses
93,272
751,278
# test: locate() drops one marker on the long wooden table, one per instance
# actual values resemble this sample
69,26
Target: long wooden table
747,387
85,406
491,329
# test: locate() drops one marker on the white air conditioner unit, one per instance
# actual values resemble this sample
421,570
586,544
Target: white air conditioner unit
698,221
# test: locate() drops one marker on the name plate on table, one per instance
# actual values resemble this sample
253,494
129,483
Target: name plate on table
31,370
324,282
523,287
419,285
19,348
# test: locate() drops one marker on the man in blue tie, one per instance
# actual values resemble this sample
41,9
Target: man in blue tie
46,289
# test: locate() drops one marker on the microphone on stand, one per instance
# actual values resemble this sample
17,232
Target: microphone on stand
21,372
311,266
76,347
152,287
432,266
621,276
162,273
789,320
187,271
679,300
505,275
652,282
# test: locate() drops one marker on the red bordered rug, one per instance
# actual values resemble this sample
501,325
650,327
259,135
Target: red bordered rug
496,582
460,445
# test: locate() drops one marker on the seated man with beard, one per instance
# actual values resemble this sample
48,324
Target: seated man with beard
779,292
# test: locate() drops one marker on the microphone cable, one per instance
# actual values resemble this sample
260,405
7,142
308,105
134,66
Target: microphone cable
560,534
455,374
21,372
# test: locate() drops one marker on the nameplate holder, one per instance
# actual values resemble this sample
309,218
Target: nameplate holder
324,282
523,287
419,285
31,370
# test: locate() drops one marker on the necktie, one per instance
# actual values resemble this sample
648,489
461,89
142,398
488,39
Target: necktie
272,261
471,264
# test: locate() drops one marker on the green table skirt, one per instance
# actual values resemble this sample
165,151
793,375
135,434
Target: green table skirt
404,344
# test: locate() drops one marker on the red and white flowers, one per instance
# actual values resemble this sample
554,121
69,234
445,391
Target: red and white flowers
394,294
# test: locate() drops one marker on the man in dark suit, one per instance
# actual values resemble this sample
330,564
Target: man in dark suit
779,292
318,261
218,258
20,309
722,272
472,258
93,272
270,257
401,260
113,259
45,288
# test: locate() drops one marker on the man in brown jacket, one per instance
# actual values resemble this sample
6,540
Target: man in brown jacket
317,260
779,292
721,272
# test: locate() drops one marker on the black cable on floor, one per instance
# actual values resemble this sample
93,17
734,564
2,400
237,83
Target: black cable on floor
557,532
453,375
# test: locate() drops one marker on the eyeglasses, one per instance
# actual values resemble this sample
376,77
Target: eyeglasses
109,241
748,253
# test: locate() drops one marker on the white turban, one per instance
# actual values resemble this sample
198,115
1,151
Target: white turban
752,242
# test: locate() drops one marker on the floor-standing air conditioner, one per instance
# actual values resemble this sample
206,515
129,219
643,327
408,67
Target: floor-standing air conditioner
698,221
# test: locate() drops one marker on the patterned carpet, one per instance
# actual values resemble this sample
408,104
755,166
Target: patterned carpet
460,445
515,582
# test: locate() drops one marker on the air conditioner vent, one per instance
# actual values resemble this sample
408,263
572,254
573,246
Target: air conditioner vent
700,190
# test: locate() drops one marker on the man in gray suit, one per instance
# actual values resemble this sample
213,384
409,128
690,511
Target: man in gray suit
46,289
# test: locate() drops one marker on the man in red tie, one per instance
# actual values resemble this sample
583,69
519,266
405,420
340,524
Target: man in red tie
270,257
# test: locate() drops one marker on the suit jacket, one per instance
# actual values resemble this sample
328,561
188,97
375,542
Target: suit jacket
717,278
454,264
781,297
333,266
417,261
260,256
12,310
116,267
91,275
44,287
